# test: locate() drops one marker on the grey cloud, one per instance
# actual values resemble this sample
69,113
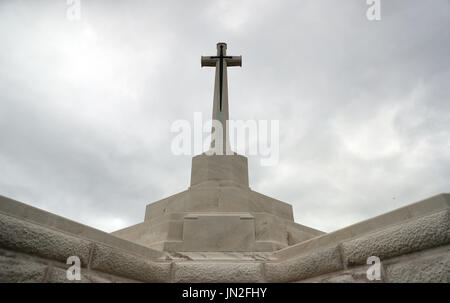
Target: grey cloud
86,107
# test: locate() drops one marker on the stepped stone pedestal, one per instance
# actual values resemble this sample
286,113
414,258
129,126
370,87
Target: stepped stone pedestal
219,212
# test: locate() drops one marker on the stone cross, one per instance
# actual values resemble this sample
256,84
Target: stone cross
220,104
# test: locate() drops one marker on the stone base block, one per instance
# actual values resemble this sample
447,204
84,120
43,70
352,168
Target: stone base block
232,168
219,232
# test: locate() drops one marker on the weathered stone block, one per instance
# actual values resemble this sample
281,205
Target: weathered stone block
219,167
272,206
401,215
353,275
339,277
410,236
36,240
305,266
218,272
219,232
297,233
33,215
13,270
117,262
431,269
59,275
95,278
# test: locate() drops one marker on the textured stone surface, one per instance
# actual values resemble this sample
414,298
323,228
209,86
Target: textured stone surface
117,262
98,277
95,278
17,270
219,187
36,240
413,250
33,215
297,233
219,232
410,236
59,275
305,266
410,212
218,198
353,275
221,256
432,269
226,167
164,226
218,272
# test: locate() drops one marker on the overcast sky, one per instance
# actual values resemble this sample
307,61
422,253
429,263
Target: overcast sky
86,106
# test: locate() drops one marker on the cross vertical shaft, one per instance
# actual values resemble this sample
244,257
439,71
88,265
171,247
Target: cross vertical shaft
220,100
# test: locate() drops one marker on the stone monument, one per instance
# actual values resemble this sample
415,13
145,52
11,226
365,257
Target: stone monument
219,230
219,211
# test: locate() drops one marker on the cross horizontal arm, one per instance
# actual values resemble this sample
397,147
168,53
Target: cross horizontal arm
234,61
207,61
230,60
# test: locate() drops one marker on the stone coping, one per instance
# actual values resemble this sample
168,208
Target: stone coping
195,215
46,219
420,241
220,256
428,206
